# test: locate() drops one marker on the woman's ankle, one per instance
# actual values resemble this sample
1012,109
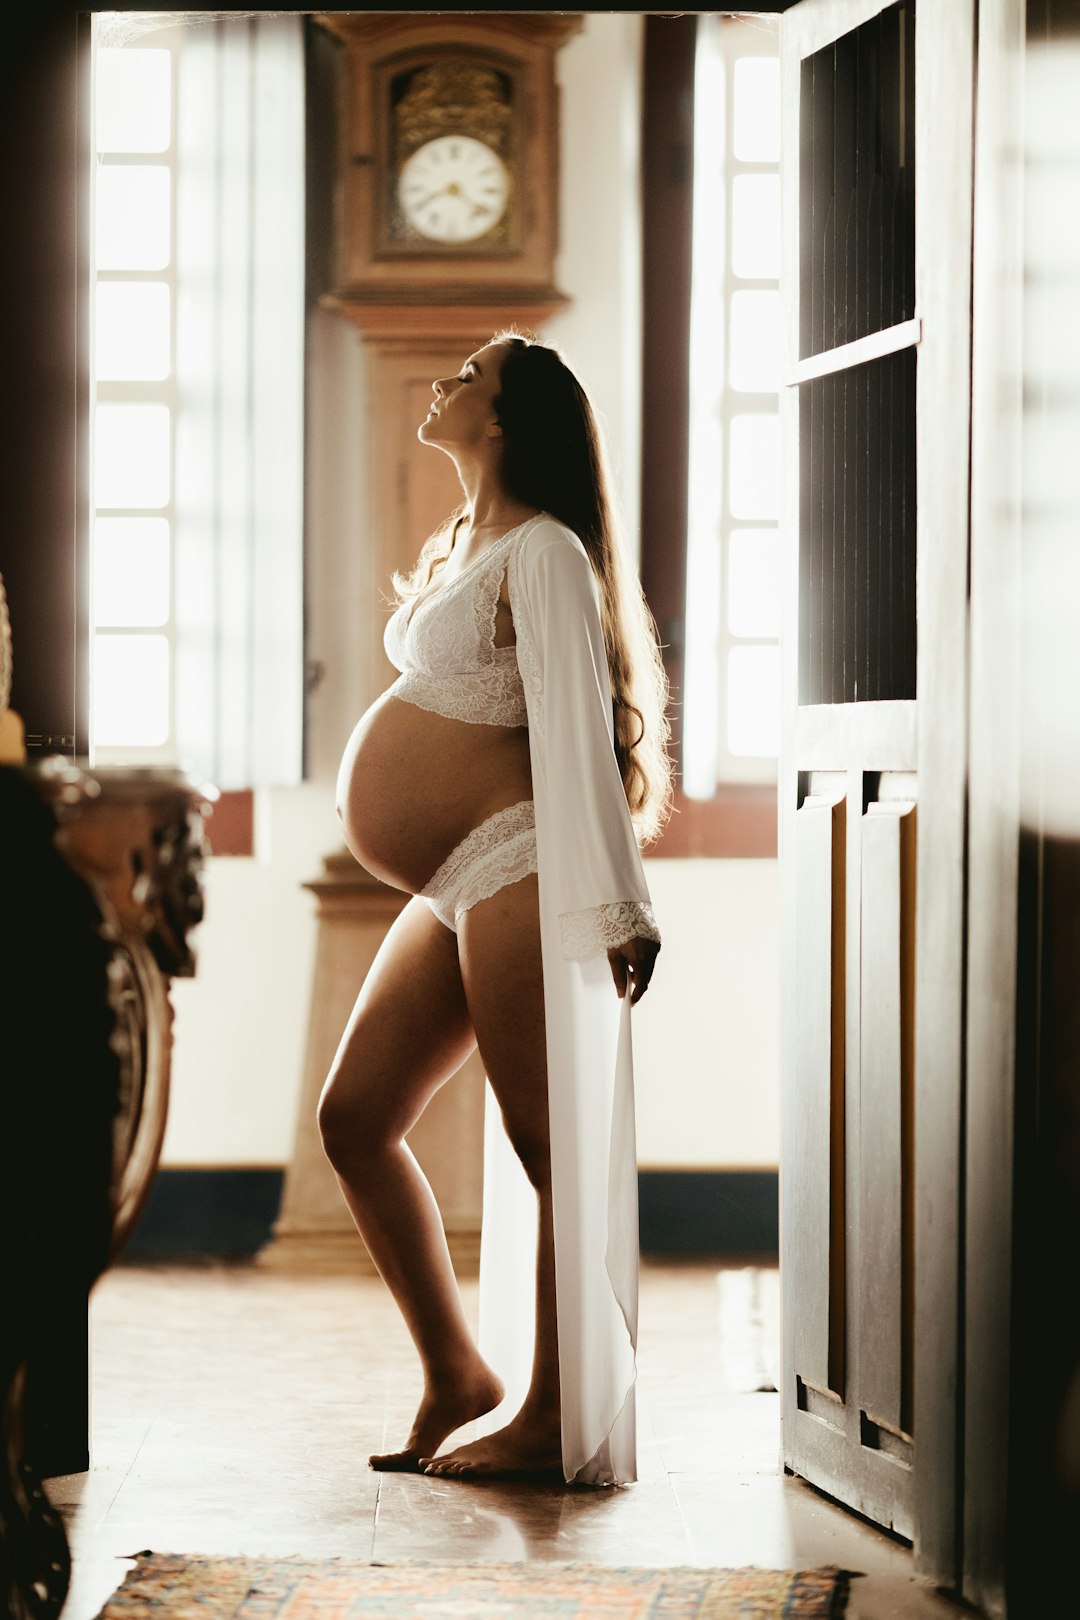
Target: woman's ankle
541,1413
454,1372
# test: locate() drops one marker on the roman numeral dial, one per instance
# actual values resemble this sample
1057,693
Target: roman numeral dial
453,189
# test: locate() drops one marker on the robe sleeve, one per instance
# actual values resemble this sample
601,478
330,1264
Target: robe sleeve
596,872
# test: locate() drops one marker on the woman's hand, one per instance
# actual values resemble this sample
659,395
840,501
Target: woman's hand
633,963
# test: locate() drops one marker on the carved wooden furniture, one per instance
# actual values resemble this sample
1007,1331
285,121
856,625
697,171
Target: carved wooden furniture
416,84
100,873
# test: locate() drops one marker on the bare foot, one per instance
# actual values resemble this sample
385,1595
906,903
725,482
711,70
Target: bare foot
441,1412
529,1450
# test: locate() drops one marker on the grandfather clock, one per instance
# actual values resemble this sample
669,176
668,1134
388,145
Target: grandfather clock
445,215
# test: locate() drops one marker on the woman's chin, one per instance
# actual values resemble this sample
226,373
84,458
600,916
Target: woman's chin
428,433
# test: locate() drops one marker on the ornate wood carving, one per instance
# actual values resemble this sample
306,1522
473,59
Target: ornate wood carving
503,68
101,880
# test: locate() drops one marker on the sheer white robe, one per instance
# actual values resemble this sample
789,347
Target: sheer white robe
593,895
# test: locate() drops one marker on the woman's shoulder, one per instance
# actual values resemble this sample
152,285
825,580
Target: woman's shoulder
547,540
552,568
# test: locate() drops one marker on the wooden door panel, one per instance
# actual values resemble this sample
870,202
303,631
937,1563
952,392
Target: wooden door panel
817,1211
845,1258
885,1115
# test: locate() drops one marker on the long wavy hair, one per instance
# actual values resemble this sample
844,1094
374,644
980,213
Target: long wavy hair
553,459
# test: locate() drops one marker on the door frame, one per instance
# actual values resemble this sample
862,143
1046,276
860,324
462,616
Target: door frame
994,818
945,56
945,68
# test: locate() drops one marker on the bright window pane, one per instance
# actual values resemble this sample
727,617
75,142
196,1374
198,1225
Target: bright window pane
754,476
702,719
131,570
753,601
132,332
757,109
132,92
753,715
755,226
131,691
132,207
131,455
755,342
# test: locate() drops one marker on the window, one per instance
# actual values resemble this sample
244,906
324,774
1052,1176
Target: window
197,357
134,304
732,664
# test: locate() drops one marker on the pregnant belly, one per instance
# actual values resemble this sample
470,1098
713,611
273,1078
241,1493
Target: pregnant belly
413,784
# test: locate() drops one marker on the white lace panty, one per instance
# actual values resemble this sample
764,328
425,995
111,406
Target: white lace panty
501,851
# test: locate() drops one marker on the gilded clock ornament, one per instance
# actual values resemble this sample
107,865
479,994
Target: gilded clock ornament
451,96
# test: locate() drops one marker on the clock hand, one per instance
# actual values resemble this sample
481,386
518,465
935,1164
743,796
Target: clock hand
432,198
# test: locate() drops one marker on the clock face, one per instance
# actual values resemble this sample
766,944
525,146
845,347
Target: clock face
453,189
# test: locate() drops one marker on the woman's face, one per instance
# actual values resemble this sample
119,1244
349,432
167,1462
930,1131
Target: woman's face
462,414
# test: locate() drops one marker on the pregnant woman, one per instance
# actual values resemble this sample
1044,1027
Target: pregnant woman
504,781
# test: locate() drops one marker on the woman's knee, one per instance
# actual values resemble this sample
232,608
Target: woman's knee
352,1125
337,1126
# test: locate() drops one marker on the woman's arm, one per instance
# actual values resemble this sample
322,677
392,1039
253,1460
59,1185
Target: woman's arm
596,873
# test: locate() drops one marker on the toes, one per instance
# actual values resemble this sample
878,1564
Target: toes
456,1470
442,1467
395,1462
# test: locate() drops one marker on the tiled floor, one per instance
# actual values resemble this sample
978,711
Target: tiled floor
234,1411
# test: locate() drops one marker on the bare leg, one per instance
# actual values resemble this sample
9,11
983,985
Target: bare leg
499,946
408,1033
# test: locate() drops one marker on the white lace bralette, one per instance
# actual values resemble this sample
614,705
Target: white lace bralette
444,645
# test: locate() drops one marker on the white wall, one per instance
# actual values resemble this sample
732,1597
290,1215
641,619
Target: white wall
706,1033
240,1023
599,260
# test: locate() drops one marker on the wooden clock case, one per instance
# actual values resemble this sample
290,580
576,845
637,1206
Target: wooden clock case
387,285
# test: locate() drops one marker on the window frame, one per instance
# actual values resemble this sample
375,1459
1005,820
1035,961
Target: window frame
719,402
120,392
235,632
739,820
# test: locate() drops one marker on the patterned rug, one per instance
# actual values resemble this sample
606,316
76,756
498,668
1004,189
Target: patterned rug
188,1588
